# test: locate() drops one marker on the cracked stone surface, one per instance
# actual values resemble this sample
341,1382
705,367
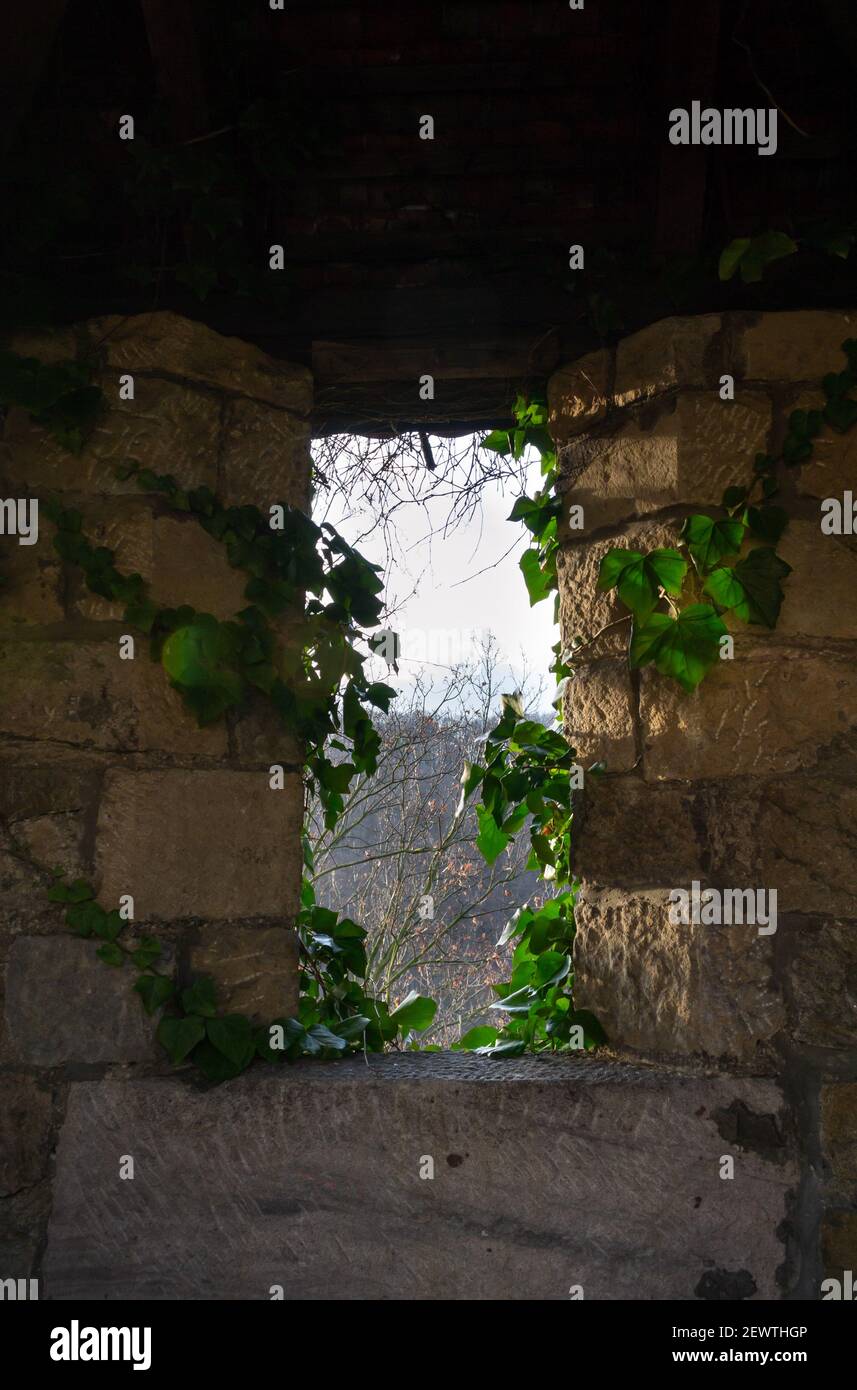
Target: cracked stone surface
547,1173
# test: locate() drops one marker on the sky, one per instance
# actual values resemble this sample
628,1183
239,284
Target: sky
448,589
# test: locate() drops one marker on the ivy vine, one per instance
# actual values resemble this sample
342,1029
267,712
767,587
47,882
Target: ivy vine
58,396
676,600
725,564
317,683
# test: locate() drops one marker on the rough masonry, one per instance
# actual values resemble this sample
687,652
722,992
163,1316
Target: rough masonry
752,779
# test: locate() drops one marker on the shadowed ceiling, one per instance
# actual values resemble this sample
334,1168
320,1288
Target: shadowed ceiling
300,128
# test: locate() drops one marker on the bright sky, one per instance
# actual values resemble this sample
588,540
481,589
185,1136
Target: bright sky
448,588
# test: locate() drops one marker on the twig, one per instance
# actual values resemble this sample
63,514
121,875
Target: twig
768,93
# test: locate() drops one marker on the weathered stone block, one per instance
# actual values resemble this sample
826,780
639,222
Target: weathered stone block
255,969
839,1132
578,395
23,1220
599,715
65,1005
671,988
24,885
47,344
622,1195
26,1109
672,353
796,346
178,559
265,457
833,466
765,711
201,844
618,843
165,343
839,1243
819,593
694,447
42,782
83,693
55,842
823,982
796,834
31,588
260,737
583,609
167,427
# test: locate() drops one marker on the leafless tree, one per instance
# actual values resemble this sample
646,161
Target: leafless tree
405,865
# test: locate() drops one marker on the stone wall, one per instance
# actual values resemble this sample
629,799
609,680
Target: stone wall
103,772
752,780
425,1177
549,1174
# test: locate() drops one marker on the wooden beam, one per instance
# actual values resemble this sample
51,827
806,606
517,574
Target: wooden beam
690,39
172,40
505,358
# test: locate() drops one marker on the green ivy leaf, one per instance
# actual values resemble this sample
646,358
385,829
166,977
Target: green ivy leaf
215,1065
639,578
726,590
685,647
200,998
733,497
200,659
179,1036
551,967
416,1012
353,1028
731,257
593,1033
752,588
90,919
154,990
80,891
536,578
233,1036
513,1048
498,441
491,840
708,541
326,1039
111,954
147,953
841,414
767,523
752,254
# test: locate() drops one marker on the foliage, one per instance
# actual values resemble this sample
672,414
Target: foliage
58,396
749,256
300,568
725,564
403,863
334,1017
526,779
317,683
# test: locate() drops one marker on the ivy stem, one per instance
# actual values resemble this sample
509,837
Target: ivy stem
626,618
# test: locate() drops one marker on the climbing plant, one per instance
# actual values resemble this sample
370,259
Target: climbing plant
334,1015
749,256
528,776
676,599
58,396
316,681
